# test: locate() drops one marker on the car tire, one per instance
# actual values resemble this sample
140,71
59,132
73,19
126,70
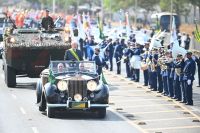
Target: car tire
42,104
101,113
10,76
50,112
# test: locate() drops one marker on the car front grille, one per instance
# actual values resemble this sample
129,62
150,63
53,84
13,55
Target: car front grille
77,87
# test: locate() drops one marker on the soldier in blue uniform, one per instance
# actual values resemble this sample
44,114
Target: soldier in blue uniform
165,74
126,56
189,71
98,60
137,52
158,70
154,69
145,57
169,64
178,64
110,51
118,52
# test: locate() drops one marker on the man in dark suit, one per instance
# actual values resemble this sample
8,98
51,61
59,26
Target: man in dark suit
73,53
47,22
189,71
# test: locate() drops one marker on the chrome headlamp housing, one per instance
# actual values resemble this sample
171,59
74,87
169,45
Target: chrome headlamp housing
62,85
92,85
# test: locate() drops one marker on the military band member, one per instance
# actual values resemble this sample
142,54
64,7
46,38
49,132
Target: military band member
158,70
189,71
136,52
164,72
154,69
178,64
169,63
126,59
118,52
110,50
145,60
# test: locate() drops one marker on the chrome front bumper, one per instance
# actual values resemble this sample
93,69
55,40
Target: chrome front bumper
67,105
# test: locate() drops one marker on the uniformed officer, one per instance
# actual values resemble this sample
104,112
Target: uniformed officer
164,71
189,71
47,21
145,57
118,52
98,60
136,52
73,53
154,69
169,64
126,56
110,51
158,70
178,63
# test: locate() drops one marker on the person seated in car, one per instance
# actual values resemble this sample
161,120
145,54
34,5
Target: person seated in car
60,68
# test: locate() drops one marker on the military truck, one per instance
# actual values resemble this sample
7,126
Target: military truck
29,51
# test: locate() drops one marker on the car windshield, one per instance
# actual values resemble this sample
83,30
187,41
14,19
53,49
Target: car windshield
73,67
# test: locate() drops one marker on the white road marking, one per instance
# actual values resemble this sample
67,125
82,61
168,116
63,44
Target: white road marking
22,110
172,128
14,96
128,121
168,119
35,130
142,106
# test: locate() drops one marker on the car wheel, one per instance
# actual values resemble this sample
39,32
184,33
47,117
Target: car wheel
10,76
101,113
42,105
50,112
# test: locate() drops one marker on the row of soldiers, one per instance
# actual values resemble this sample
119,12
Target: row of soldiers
172,77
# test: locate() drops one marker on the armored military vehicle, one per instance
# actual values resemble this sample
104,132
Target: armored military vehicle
28,52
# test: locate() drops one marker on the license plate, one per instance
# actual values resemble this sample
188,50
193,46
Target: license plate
78,105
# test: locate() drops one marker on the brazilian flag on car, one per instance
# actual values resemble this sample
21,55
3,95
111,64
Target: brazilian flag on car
196,33
51,77
102,79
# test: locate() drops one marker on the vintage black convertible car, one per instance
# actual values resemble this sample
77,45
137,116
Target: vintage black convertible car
72,86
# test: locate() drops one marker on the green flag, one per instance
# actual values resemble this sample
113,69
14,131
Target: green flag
51,78
102,78
196,33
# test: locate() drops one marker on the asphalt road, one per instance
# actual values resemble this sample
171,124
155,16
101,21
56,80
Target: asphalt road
133,108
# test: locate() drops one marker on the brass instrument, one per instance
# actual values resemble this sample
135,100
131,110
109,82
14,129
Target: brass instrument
162,63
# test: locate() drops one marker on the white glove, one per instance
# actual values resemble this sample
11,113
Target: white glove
189,82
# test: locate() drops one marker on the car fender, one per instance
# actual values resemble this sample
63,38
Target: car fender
102,95
39,90
50,93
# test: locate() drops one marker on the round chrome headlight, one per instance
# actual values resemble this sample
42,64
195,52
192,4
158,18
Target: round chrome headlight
12,40
92,85
77,97
62,85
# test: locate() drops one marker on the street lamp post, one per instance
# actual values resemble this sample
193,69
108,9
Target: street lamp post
53,5
135,12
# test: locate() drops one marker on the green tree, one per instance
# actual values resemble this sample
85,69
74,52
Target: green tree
179,6
196,3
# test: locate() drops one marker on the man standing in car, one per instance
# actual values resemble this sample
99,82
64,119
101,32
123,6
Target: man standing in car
73,53
47,21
